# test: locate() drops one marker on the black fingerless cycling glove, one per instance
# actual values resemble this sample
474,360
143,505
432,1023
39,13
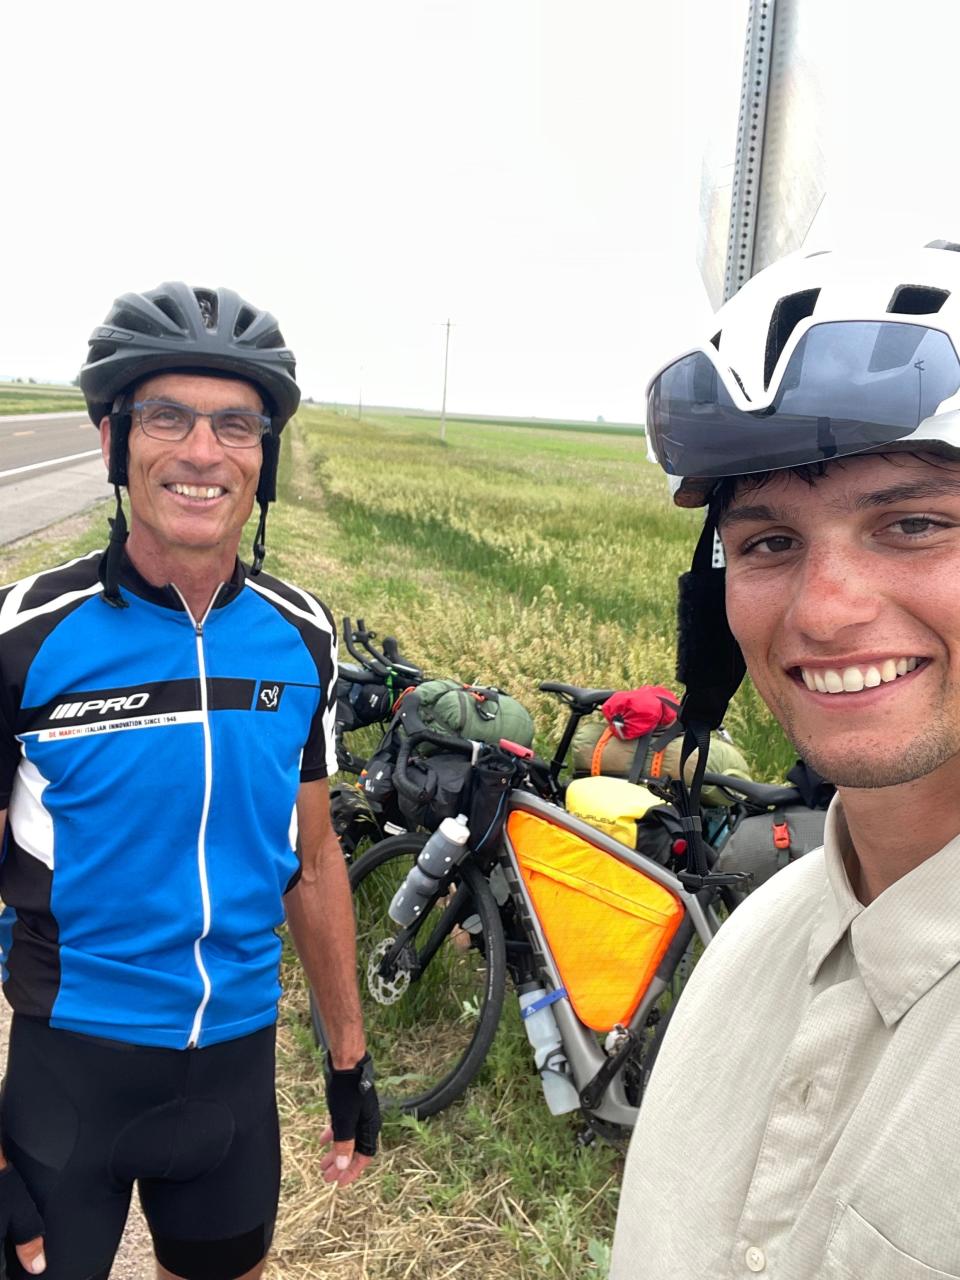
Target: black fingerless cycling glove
19,1216
353,1104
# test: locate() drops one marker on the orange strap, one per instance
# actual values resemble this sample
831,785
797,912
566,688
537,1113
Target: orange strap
401,695
596,762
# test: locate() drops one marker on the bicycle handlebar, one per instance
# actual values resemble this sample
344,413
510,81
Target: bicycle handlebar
349,640
374,661
767,795
445,742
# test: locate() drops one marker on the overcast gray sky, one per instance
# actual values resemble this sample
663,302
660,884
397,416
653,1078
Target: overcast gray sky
529,169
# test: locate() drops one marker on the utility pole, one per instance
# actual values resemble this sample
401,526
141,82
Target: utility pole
443,407
360,395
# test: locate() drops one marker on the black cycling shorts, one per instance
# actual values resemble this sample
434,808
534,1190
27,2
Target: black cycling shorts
196,1129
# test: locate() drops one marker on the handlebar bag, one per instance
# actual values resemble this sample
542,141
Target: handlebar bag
608,925
443,789
760,844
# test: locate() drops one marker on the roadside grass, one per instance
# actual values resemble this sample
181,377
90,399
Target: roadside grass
503,555
27,397
509,557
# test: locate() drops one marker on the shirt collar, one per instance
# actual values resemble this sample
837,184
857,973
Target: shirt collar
906,940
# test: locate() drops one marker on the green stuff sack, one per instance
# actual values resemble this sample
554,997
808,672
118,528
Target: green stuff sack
613,758
467,711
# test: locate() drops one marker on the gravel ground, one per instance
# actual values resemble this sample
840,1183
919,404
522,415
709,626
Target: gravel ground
135,1258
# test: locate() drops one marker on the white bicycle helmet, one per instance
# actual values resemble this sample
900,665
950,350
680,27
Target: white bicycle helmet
817,357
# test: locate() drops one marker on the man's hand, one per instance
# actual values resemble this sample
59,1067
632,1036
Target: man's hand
21,1221
354,1122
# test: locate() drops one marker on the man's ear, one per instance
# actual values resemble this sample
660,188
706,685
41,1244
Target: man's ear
105,440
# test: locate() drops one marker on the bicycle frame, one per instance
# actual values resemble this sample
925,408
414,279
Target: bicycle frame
585,1056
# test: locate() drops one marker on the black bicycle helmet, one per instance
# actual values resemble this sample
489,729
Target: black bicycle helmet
178,327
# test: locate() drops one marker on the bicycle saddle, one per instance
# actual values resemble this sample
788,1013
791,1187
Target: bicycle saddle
585,697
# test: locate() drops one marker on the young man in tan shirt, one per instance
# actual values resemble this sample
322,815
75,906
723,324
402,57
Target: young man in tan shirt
802,1120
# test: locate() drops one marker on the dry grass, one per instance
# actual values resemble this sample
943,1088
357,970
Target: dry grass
399,1220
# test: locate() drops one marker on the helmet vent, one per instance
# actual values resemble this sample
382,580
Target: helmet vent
207,302
917,300
245,318
273,338
715,340
170,310
136,321
787,314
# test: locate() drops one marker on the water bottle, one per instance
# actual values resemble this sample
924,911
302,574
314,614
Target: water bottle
543,1033
443,851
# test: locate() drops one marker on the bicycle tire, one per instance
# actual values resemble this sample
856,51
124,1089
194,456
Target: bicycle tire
428,1035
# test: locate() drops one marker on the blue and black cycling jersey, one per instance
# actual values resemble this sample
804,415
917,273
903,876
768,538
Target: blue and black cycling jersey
149,764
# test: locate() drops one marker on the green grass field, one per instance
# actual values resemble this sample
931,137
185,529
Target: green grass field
31,397
507,556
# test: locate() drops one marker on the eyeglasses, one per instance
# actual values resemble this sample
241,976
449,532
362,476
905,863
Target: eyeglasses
166,420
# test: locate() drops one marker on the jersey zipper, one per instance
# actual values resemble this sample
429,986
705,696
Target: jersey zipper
194,1039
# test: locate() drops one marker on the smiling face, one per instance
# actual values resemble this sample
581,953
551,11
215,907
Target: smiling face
843,596
193,496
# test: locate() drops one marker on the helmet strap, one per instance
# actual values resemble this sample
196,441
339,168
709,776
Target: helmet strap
711,666
112,558
120,424
266,493
260,541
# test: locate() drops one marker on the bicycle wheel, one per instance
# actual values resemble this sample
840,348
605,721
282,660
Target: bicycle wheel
430,1013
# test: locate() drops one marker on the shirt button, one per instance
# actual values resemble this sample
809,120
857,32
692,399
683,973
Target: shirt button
755,1259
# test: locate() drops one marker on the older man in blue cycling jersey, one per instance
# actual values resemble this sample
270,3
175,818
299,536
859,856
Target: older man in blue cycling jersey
163,708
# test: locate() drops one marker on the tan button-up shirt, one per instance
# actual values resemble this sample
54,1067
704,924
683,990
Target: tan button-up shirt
803,1119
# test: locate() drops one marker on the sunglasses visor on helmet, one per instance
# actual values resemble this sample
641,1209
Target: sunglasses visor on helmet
847,387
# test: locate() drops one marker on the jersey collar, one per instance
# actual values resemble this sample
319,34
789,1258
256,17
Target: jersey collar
166,597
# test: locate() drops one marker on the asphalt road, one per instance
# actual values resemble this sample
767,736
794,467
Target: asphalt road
50,467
